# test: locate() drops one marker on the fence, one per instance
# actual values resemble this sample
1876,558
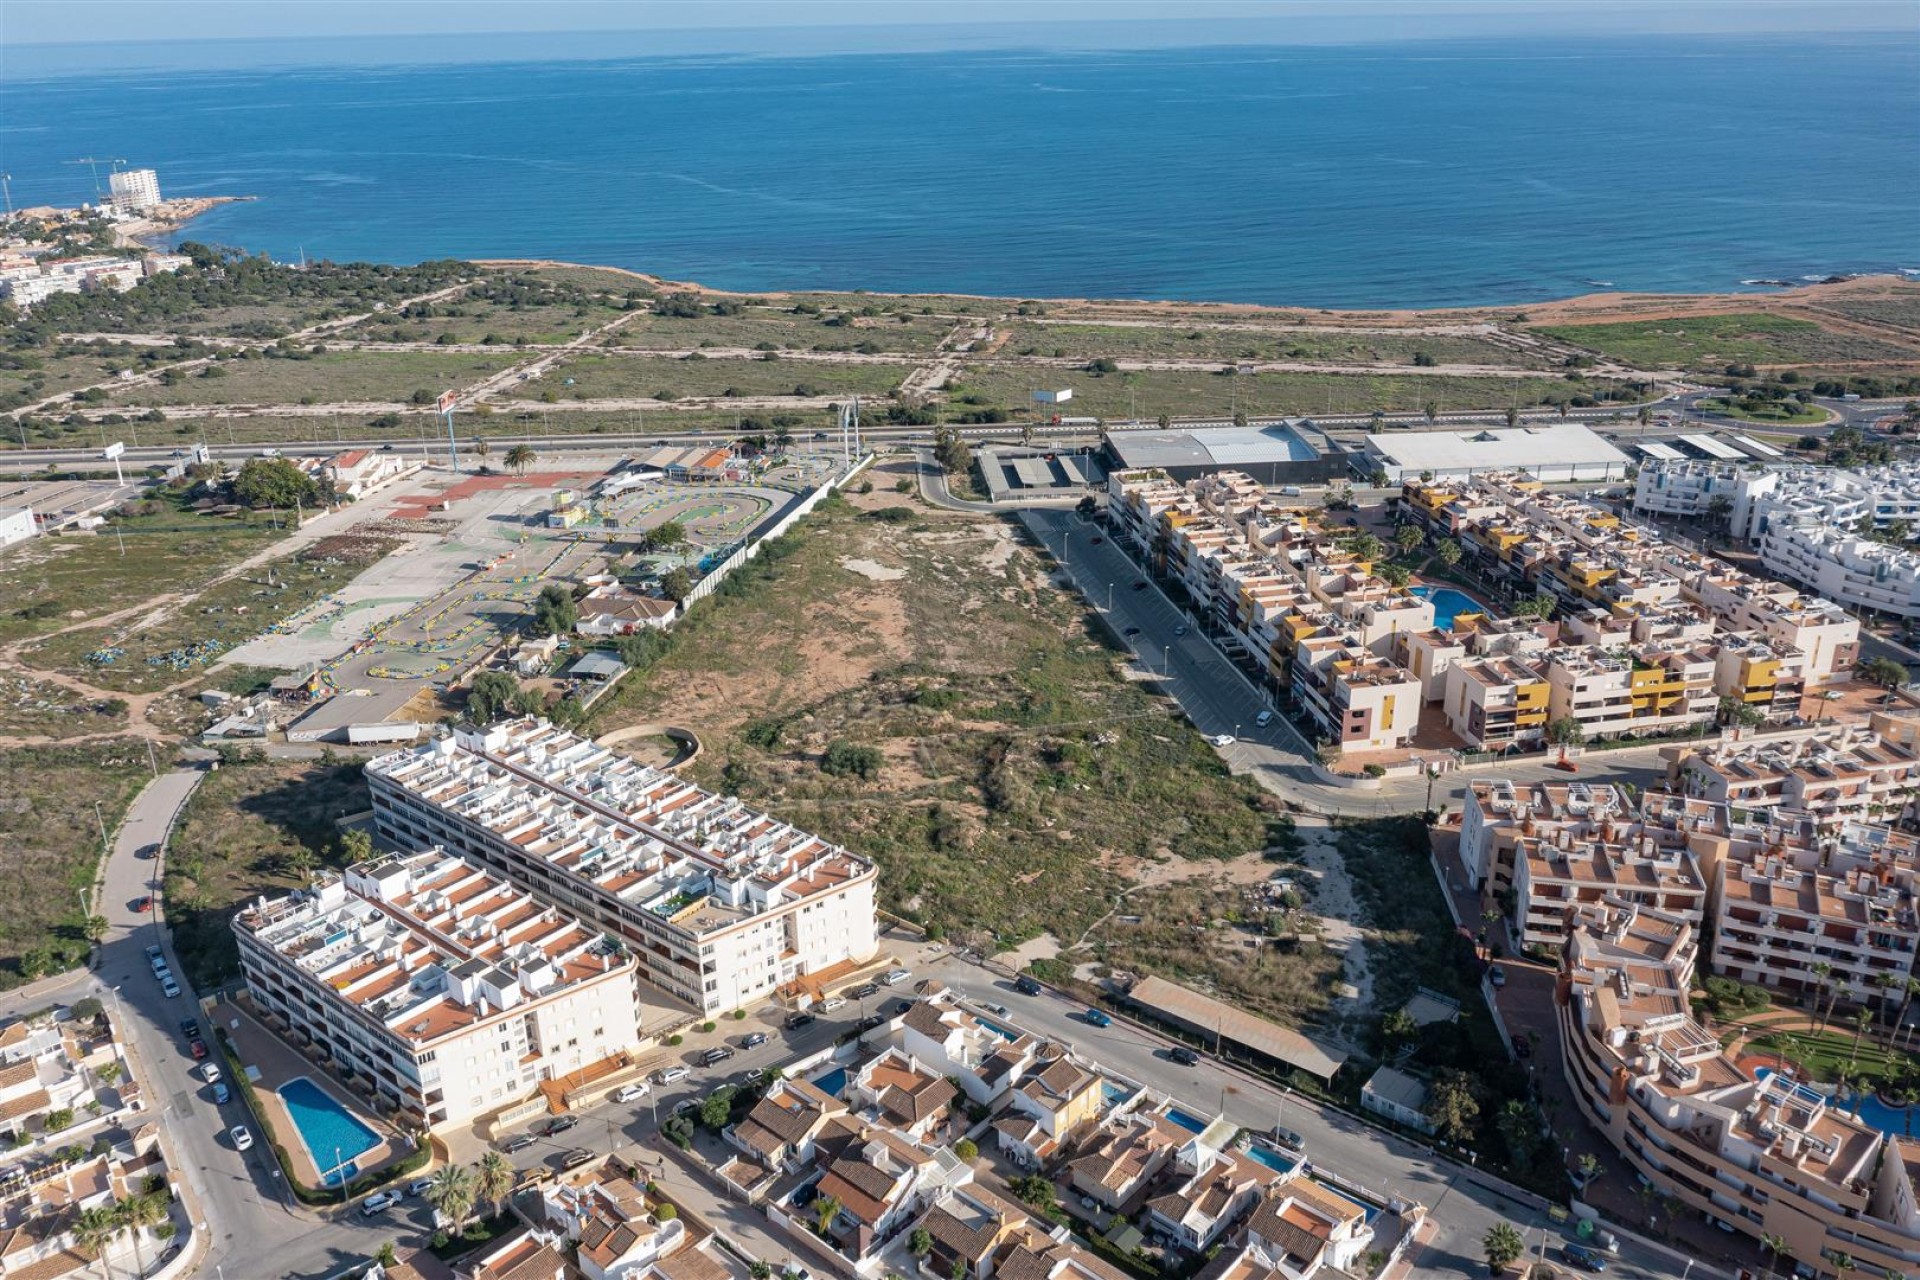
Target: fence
812,498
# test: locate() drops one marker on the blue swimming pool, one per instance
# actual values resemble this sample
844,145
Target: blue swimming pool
325,1128
1448,604
832,1082
999,1030
1191,1123
1271,1158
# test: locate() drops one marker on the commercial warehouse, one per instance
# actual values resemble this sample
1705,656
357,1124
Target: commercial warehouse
1284,453
1560,451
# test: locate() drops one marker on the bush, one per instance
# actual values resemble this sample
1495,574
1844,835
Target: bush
843,759
675,1040
666,1213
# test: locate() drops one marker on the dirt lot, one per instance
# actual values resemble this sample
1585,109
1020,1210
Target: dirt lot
913,684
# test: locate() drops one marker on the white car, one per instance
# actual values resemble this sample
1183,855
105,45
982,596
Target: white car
669,1075
630,1092
210,1072
831,1003
241,1138
894,977
379,1202
169,988
1264,719
1222,739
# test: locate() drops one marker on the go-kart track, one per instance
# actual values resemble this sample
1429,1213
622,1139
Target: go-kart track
475,553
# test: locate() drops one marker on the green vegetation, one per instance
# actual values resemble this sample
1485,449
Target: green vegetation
332,377
1153,392
1831,1056
823,329
1007,771
1773,412
1214,340
37,708
599,377
501,310
50,845
1708,342
254,827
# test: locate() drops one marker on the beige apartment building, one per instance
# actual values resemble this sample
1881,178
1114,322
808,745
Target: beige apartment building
1497,703
722,904
1647,691
1770,1158
1576,866
450,990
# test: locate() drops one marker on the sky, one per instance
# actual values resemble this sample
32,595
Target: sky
866,24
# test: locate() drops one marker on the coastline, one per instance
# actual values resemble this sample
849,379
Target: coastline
1588,308
166,218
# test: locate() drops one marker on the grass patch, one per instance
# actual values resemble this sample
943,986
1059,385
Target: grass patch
1777,412
66,579
1829,1056
197,631
601,377
1253,342
253,827
1714,341
50,845
386,377
832,329
1016,777
1152,392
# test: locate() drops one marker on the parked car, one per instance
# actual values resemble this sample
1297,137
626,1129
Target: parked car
1131,632
1264,719
169,988
143,905
222,1095
241,1138
518,1142
1581,1256
1523,1048
719,1053
559,1124
795,1021
1497,976
210,1072
1098,1018
1026,986
148,851
378,1203
157,961
864,990
997,1010
198,1048
1221,739
418,1187
753,1040
1140,584
577,1157
1184,1056
1180,630
190,1028
154,953
671,1075
871,1021
894,977
630,1092
1289,1139
831,1003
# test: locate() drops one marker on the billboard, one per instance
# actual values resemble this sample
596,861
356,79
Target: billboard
1054,397
447,400
113,450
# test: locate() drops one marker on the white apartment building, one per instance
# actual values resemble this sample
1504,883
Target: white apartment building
1834,778
1687,488
453,991
1841,565
1623,865
723,905
134,190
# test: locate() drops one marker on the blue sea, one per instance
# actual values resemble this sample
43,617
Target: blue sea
1421,174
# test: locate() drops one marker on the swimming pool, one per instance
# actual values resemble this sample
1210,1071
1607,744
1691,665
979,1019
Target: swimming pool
1191,1123
832,1082
326,1127
999,1030
1271,1158
1448,604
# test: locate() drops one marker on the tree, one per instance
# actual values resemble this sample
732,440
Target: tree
1035,1190
95,927
355,846
1566,732
273,482
1861,1021
480,449
715,1108
1449,552
1452,1105
1885,672
1397,1027
1431,409
1537,607
966,1149
137,1213
490,696
95,1229
451,1192
1777,1251
493,1179
1379,477
676,584
666,535
1720,509
520,457
825,1210
950,450
782,436
1821,972
1513,417
1734,711
920,1243
554,611
1519,1129
1503,1245
1407,537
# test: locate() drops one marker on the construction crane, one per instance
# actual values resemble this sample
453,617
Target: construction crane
93,163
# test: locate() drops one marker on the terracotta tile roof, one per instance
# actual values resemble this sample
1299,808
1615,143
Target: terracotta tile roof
692,1263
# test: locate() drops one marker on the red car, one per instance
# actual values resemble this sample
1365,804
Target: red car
143,904
198,1049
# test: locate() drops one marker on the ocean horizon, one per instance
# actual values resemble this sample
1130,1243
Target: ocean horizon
1423,174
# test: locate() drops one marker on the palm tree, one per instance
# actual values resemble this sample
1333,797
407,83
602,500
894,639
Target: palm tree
451,1192
1503,1245
493,1178
94,1231
1821,972
1842,1262
1861,1021
96,927
1775,1247
1909,988
520,457
782,437
480,449
137,1213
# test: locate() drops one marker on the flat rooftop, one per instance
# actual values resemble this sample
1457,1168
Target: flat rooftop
1219,446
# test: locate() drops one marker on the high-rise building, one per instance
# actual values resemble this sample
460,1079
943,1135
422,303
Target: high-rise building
135,190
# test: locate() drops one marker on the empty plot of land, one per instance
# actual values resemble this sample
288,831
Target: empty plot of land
1709,341
904,333
336,376
602,377
1236,342
492,323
